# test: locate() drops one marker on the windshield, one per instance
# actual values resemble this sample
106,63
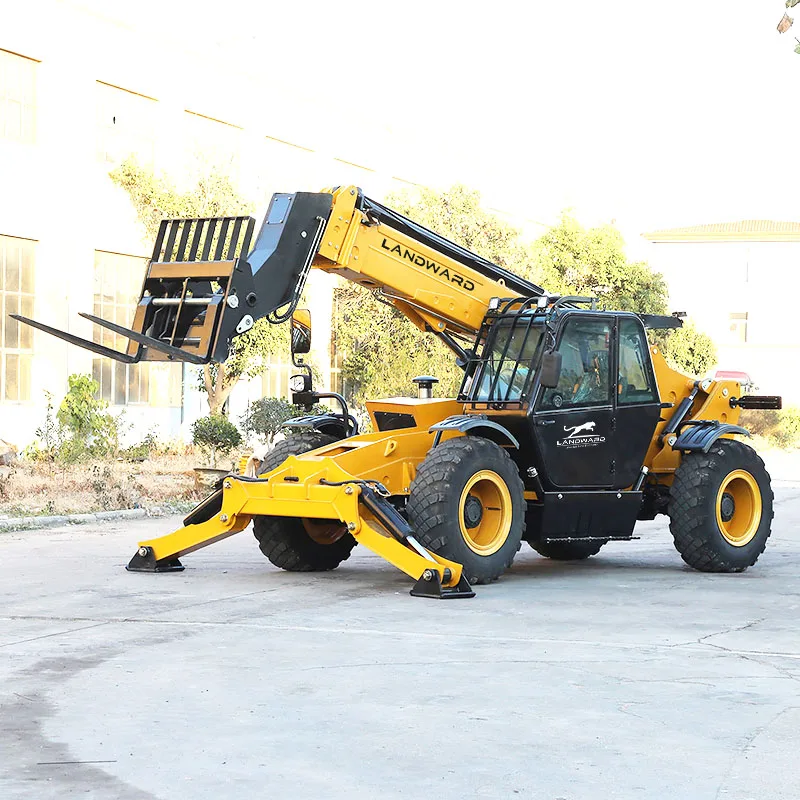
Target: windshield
509,361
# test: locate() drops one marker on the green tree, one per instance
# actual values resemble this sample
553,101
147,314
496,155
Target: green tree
384,351
457,214
155,197
593,263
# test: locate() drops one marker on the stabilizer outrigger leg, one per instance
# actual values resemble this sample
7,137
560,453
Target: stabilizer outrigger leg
370,518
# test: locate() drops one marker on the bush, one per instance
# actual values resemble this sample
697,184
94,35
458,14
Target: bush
779,428
265,416
140,451
215,435
688,349
80,429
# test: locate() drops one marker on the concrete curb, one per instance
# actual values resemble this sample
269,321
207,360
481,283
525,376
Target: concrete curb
33,523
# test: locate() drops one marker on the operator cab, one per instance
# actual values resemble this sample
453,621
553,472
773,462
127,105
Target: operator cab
575,386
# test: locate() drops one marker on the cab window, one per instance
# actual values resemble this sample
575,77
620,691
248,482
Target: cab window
635,382
584,381
507,370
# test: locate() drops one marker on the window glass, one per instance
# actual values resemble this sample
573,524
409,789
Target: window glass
117,283
634,383
584,380
16,297
505,372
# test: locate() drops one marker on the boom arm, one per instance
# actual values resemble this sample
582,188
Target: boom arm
438,285
200,290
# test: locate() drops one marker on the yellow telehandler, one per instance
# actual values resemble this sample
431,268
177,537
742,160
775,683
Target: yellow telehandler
568,428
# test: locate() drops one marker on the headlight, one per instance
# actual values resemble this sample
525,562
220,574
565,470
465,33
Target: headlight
297,383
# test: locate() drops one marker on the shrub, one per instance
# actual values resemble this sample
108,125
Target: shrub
215,435
80,429
140,451
687,349
779,428
265,416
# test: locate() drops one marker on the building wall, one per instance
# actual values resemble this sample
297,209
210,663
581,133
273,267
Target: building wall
743,294
73,107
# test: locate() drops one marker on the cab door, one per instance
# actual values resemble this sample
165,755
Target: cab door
573,422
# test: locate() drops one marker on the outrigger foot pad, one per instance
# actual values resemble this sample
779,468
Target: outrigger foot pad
430,585
145,561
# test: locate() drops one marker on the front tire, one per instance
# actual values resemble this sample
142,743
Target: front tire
301,545
466,504
721,508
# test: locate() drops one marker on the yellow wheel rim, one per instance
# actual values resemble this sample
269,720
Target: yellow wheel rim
738,507
484,512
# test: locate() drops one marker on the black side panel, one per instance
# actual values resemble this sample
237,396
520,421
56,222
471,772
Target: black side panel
421,234
394,420
285,246
635,425
571,515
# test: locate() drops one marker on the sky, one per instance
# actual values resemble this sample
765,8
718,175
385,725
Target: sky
650,115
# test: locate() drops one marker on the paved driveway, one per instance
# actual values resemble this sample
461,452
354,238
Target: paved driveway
626,676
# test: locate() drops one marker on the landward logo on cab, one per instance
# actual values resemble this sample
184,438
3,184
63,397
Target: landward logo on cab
581,436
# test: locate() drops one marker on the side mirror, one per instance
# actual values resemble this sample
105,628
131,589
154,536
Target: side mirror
301,331
550,370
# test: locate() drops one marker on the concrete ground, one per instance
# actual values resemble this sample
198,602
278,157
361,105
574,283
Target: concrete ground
626,676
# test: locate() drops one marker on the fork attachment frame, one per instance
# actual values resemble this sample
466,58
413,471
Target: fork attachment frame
203,285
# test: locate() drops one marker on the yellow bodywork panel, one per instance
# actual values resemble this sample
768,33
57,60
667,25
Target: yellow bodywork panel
711,403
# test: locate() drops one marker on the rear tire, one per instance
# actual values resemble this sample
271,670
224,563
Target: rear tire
287,541
467,505
721,508
567,551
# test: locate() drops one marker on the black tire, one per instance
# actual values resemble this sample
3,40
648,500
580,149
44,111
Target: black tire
442,496
705,527
286,541
567,551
